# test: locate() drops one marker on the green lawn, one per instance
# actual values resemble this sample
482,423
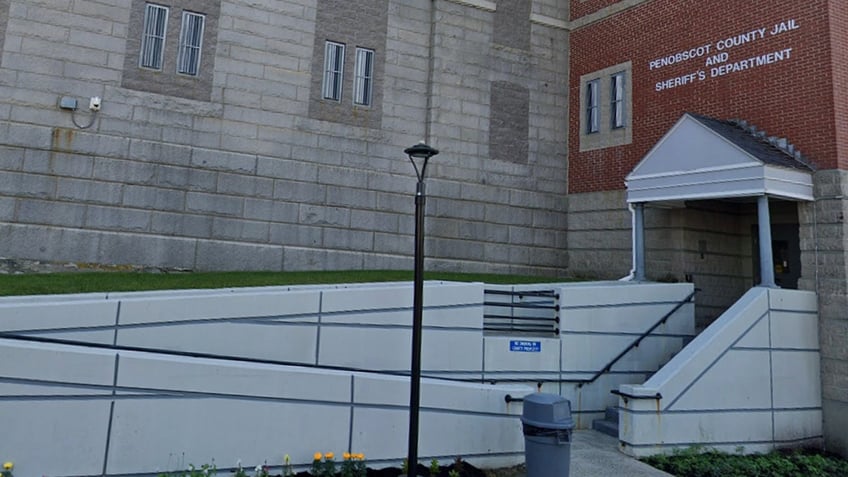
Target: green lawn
86,282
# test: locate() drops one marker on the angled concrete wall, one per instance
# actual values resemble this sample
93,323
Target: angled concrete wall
77,411
750,381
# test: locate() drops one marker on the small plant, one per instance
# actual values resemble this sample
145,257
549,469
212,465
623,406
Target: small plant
434,467
205,470
240,472
353,465
458,464
262,471
453,473
404,467
288,471
7,469
323,465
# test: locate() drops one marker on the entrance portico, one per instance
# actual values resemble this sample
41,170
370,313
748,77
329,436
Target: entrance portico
702,158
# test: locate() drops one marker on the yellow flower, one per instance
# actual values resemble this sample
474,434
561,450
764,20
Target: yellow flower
287,459
346,456
317,456
360,456
329,456
8,466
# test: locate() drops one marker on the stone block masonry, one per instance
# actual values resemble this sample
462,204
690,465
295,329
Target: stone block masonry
246,169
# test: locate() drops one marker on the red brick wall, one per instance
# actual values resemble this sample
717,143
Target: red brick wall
793,98
839,47
581,8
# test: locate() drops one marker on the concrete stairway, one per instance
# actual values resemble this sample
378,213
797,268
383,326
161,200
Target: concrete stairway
609,424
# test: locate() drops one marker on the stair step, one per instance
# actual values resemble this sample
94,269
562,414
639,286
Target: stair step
609,428
609,424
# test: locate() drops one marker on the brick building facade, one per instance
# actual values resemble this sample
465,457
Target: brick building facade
779,68
268,135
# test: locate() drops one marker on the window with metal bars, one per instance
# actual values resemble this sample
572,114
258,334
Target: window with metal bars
593,123
153,38
617,93
333,70
191,41
363,76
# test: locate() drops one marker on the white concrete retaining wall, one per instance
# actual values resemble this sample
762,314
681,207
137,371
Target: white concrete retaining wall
597,321
69,411
749,381
82,411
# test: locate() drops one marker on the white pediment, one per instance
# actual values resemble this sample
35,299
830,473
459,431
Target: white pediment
691,146
693,162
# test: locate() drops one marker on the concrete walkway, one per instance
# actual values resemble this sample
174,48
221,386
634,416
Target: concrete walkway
596,455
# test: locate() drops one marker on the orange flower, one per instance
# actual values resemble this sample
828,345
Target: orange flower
317,456
329,456
346,456
360,456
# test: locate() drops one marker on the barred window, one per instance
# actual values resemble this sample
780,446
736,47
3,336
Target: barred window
191,41
593,123
333,70
153,38
617,93
605,107
364,72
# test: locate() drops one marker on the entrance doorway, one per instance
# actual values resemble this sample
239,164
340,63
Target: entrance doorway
786,254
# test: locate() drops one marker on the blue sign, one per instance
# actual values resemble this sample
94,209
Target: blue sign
525,346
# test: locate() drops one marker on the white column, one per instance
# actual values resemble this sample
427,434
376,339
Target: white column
766,259
639,241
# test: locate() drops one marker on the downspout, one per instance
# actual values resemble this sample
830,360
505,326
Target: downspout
431,60
632,273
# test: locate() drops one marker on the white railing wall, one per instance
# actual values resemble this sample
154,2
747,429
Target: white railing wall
597,321
78,410
750,382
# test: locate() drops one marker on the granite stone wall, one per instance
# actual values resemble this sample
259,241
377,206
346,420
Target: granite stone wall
247,169
824,234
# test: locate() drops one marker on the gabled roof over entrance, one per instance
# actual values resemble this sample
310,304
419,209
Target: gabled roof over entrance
705,158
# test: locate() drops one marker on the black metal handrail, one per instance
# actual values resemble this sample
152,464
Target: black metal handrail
638,341
542,317
627,396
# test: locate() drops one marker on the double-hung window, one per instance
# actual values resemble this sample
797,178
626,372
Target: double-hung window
593,123
153,38
364,72
191,41
617,106
606,107
333,70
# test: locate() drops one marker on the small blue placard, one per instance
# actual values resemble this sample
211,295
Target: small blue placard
525,346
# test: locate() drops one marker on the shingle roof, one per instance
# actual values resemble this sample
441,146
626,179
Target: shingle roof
754,142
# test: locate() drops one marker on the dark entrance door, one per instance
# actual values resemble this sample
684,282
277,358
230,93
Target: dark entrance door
786,251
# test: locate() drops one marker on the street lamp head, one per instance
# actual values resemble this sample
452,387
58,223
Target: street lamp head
422,152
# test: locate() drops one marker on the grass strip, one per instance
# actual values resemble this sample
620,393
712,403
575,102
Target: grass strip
89,282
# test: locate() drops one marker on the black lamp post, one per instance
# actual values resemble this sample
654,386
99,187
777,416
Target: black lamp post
422,153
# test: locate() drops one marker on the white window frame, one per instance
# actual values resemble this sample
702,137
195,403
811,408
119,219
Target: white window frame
152,52
191,43
593,106
334,54
618,105
363,77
